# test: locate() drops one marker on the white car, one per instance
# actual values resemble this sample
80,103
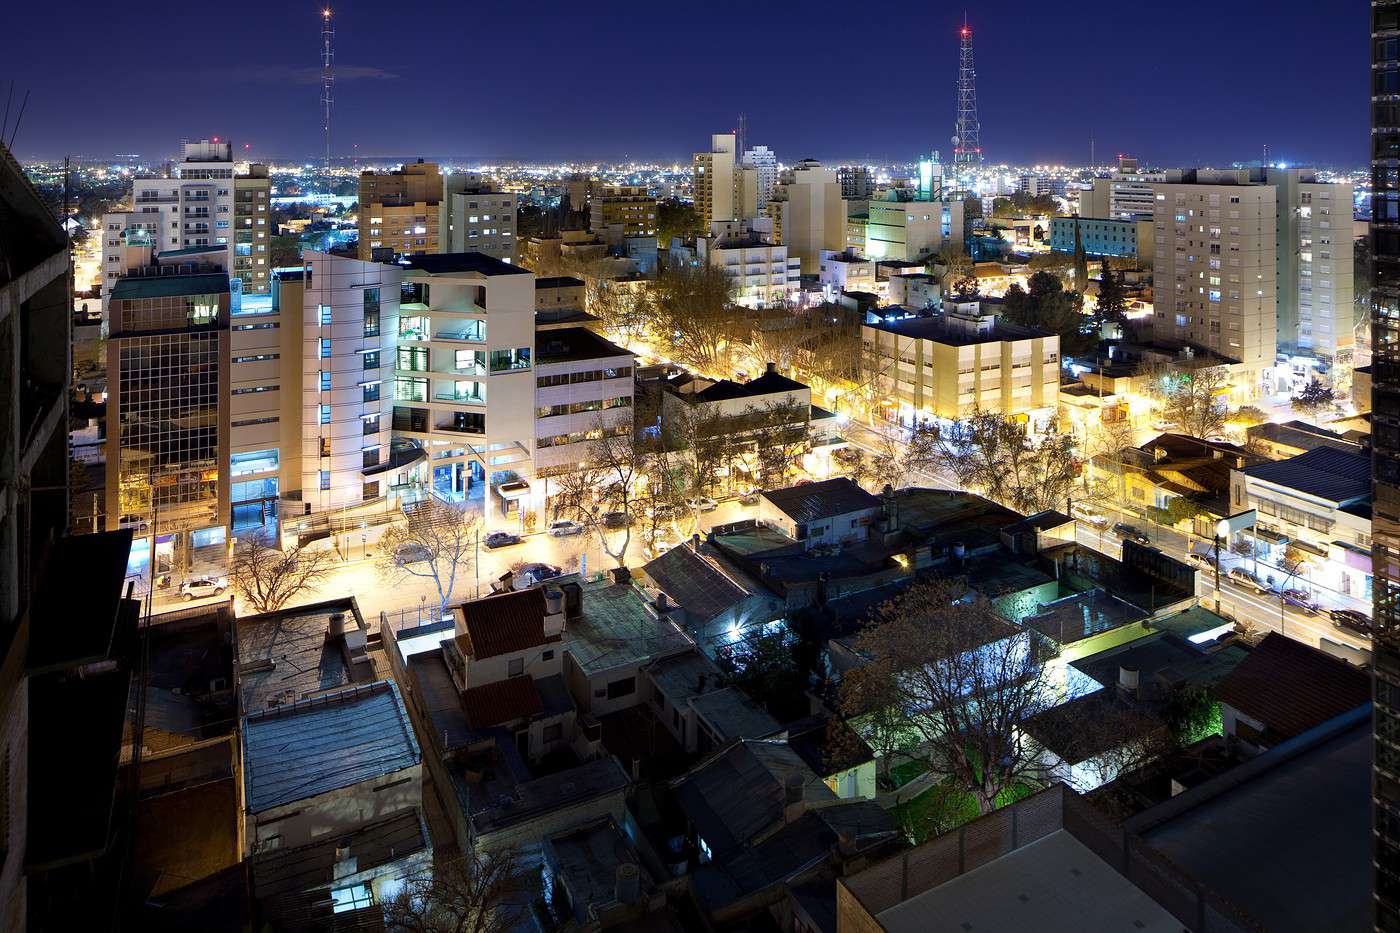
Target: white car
563,528
202,587
1090,515
1246,579
702,504
1204,561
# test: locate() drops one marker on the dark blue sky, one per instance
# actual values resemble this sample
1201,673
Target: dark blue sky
553,80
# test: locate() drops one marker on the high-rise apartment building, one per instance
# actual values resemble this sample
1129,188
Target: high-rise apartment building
900,226
476,216
252,230
202,202
399,210
764,162
1315,272
617,212
813,215
1126,194
1215,269
857,183
718,182
1385,437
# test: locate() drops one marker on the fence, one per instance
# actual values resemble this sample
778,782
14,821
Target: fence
988,838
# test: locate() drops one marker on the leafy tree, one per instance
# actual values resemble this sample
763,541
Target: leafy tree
1178,509
1112,305
476,892
963,677
1312,399
1049,306
1191,400
967,288
1248,416
997,456
438,542
676,218
604,495
268,578
773,667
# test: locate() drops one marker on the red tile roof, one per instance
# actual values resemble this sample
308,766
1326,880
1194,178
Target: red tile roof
504,624
1291,687
500,702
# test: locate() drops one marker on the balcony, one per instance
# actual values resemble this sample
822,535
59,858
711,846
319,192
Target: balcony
463,398
467,335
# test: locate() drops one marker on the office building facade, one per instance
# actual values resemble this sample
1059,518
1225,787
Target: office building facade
1385,414
1122,239
718,182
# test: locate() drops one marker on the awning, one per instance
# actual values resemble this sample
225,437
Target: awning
398,457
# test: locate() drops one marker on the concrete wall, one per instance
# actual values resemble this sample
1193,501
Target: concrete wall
337,812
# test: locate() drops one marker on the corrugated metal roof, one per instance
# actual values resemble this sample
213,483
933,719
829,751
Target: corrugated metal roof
695,583
1325,472
325,742
826,499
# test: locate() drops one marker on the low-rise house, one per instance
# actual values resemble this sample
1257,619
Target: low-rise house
328,765
690,699
713,600
599,881
290,654
1286,688
836,511
1314,518
1291,438
835,753
757,818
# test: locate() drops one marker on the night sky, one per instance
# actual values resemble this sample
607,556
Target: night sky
576,80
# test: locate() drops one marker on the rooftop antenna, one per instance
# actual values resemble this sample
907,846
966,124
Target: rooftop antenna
743,132
327,77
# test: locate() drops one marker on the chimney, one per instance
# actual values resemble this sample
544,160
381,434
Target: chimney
695,543
1129,681
772,367
335,626
628,884
553,612
621,576
793,806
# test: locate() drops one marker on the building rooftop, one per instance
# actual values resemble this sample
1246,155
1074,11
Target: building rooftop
324,743
586,859
501,701
165,286
571,787
939,330
1082,615
827,744
444,263
558,281
695,582
616,628
286,655
1302,435
826,499
574,344
1164,663
1324,472
1291,687
1285,835
503,624
435,692
733,714
685,675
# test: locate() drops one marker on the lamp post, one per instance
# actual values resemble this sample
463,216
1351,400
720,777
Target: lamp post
1222,530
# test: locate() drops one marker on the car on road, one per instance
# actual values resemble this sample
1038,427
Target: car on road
1351,620
702,503
749,497
1299,598
500,539
564,527
1131,533
203,587
1204,561
528,575
1220,439
1161,425
411,552
616,519
1242,577
1091,515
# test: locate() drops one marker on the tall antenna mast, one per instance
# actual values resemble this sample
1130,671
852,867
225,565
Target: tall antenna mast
742,134
967,142
327,77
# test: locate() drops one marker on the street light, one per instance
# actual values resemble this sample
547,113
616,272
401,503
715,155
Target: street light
1222,530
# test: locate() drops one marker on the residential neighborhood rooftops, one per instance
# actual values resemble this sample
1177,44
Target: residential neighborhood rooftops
286,655
528,799
1291,687
732,714
685,675
814,501
1082,615
695,582
1324,472
586,859
1300,434
503,624
617,629
168,286
501,701
325,742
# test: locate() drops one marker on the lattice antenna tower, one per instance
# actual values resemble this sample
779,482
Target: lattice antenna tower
327,77
967,136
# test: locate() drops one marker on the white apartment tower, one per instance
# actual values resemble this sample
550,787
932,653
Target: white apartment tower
765,164
1315,271
200,203
1215,271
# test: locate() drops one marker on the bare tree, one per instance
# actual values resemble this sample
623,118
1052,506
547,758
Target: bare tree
965,678
269,578
439,541
473,893
604,494
1191,400
997,456
778,438
695,318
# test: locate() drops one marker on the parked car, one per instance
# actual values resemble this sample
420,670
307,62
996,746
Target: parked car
1131,533
1301,599
1091,515
202,587
1204,561
750,496
616,519
1246,579
411,552
702,503
1161,425
1351,620
500,539
564,527
533,574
